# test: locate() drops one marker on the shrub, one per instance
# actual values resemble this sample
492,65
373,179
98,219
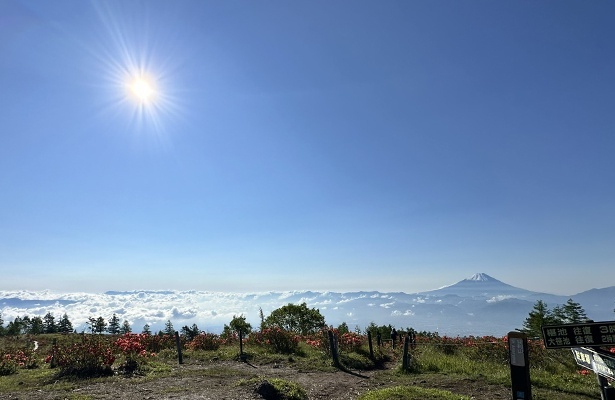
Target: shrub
277,339
91,357
8,366
205,341
133,348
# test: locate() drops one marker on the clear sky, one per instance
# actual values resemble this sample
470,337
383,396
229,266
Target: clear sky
292,145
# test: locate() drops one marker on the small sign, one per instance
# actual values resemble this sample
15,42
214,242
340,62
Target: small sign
517,357
519,366
590,334
599,361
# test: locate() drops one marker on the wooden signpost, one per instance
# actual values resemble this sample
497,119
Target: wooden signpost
519,366
584,340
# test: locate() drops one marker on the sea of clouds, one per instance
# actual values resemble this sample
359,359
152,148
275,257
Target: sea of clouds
210,311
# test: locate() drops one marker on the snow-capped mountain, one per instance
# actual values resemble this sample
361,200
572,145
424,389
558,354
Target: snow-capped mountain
479,305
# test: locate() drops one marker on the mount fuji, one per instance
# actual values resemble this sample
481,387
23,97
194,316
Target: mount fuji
479,305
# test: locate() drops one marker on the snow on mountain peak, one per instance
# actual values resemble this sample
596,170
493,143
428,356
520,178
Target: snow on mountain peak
481,277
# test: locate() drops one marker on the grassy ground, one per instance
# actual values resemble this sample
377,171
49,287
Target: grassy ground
434,373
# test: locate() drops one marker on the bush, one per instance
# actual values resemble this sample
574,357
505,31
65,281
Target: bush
205,341
278,340
133,348
92,357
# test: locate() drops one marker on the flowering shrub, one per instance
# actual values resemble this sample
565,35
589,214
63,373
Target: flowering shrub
134,350
15,359
91,357
279,340
350,342
205,341
157,343
8,365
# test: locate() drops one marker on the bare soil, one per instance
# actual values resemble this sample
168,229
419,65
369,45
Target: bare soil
221,380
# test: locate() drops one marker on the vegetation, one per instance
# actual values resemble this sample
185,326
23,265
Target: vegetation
294,318
292,335
571,312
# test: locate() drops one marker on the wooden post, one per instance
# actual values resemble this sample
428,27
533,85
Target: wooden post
519,366
369,341
179,348
333,347
405,360
52,364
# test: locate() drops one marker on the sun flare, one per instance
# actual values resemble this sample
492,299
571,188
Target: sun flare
143,90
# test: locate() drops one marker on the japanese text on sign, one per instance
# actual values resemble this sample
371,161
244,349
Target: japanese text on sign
592,334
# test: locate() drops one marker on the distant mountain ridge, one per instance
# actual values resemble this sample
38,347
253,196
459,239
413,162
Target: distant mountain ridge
479,305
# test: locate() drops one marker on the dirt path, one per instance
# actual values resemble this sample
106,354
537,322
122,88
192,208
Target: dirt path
220,381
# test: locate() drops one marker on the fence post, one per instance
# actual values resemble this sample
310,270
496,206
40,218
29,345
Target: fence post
405,359
242,356
333,347
53,353
179,348
369,340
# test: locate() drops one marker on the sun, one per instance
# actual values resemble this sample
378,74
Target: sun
142,89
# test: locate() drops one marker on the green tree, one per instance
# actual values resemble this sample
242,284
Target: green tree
146,330
49,323
239,324
125,328
1,325
296,318
100,325
539,316
36,326
190,332
343,328
168,328
114,325
14,327
570,313
65,326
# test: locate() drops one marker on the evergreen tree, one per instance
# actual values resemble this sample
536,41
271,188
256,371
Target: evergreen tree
36,326
125,328
168,328
92,323
343,328
574,313
114,325
100,325
190,333
239,324
14,327
1,325
539,316
65,326
49,324
25,325
146,330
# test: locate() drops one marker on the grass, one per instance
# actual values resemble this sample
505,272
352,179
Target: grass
282,388
410,393
554,374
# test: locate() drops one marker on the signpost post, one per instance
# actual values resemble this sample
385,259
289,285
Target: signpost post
581,339
519,366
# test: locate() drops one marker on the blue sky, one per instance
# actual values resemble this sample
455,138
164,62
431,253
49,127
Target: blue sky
347,145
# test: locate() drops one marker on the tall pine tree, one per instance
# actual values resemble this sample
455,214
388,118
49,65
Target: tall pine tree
539,316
